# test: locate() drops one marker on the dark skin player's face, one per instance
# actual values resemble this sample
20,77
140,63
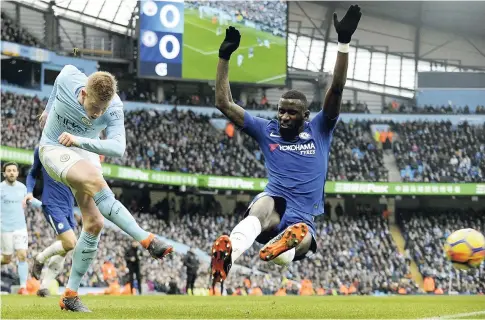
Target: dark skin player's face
292,115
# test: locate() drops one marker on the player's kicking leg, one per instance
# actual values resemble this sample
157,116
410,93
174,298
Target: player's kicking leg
227,249
85,178
96,200
84,252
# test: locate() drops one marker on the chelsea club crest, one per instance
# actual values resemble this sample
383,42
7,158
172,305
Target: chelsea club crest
305,136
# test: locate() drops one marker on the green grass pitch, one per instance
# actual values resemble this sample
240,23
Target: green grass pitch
291,307
201,47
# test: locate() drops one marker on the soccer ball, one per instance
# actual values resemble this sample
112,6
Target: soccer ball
465,248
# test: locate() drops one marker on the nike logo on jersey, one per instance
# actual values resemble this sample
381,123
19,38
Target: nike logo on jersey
274,135
89,251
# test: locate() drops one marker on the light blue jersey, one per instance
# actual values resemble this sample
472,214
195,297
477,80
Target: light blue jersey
66,114
12,213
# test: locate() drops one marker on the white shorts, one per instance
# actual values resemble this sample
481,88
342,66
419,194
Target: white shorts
57,160
13,241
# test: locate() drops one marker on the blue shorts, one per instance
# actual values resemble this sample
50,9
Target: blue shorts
60,218
288,216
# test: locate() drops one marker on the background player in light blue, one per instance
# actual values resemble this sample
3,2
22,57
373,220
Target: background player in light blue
78,109
296,157
14,228
57,205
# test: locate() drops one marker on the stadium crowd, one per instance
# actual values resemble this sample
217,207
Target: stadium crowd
440,151
356,255
426,231
395,107
171,141
187,142
12,32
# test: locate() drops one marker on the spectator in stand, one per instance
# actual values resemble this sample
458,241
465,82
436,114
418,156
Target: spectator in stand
440,151
132,258
13,33
191,262
184,141
395,107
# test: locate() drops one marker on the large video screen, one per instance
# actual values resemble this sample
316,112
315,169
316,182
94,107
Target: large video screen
181,39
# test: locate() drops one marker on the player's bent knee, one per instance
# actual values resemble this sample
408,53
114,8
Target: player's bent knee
263,209
69,243
21,255
93,224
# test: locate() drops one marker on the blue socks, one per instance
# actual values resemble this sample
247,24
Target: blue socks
84,254
115,212
23,270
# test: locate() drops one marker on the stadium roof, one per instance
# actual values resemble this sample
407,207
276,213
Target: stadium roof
464,17
108,14
451,33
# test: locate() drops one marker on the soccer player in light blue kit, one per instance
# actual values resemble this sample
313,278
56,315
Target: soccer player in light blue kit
296,152
78,109
14,228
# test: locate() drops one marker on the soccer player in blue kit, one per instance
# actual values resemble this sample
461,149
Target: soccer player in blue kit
78,109
296,152
57,205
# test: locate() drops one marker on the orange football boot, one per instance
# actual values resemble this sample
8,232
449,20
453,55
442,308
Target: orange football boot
221,258
70,302
23,292
287,240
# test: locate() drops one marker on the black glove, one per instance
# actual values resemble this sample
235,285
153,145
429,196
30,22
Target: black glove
346,27
230,43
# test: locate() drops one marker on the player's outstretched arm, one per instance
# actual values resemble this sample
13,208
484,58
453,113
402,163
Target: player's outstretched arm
224,101
115,143
345,29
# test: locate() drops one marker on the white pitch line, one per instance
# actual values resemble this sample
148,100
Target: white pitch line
239,48
453,316
195,49
206,53
272,78
200,26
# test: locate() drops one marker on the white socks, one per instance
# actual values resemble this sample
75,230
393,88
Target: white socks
54,267
243,235
285,258
52,250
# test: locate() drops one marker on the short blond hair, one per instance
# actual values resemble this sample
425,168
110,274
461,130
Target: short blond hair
102,86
